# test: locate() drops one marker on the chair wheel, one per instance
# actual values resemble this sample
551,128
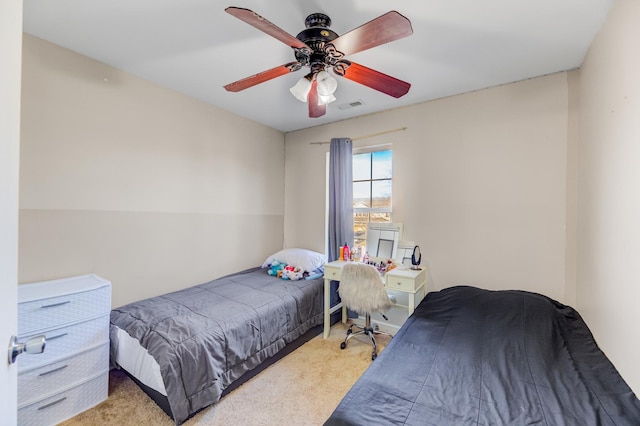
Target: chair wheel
374,356
343,345
349,331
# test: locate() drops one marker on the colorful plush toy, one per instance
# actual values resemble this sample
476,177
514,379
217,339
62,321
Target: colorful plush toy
276,269
292,273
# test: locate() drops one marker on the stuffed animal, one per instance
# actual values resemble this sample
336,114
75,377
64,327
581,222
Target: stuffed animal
276,269
292,273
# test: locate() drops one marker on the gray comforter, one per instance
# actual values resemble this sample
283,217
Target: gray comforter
207,336
469,356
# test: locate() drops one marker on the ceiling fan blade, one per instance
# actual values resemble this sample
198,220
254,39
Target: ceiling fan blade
383,29
263,76
257,21
376,80
315,110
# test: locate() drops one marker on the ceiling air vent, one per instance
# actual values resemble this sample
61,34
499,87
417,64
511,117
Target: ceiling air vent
351,105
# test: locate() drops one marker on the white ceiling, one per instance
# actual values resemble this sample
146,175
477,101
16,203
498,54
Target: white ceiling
194,47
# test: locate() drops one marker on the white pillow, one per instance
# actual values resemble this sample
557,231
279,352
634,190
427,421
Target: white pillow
302,258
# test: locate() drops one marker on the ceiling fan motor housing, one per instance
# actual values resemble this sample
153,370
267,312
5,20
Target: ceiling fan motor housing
317,20
316,36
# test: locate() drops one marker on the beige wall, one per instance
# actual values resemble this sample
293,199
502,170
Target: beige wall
151,189
571,225
608,293
480,182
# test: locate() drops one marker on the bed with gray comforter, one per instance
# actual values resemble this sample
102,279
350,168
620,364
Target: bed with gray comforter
470,356
205,337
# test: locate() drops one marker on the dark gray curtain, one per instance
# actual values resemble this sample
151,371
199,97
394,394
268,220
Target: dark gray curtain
340,196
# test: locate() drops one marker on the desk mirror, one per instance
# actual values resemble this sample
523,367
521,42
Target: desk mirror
404,252
382,239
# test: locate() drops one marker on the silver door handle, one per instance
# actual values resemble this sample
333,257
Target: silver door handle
35,345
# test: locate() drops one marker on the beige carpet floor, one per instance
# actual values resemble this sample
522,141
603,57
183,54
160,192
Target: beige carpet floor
302,388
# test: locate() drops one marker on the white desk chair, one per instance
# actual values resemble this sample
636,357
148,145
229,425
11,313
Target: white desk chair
362,290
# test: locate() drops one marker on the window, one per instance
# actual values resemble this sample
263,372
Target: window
372,174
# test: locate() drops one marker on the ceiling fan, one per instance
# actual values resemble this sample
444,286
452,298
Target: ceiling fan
320,49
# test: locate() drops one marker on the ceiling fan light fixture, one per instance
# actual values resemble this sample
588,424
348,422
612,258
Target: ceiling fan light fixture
327,85
325,100
301,89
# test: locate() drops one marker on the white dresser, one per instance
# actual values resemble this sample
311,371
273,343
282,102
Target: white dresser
72,374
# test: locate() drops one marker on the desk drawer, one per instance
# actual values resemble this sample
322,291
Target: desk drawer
401,283
332,272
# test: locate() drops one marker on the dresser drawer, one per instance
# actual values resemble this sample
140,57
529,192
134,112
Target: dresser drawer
53,312
64,405
64,341
60,375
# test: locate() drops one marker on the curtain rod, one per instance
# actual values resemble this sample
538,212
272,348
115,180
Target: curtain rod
399,129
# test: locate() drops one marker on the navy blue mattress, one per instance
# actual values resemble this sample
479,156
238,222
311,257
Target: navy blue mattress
469,356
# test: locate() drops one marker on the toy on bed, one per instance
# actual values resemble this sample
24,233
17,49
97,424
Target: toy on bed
292,273
302,264
286,272
276,269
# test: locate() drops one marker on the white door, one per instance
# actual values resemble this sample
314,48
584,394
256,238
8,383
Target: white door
11,54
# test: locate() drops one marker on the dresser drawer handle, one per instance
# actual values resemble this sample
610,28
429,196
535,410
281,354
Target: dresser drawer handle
53,305
53,371
52,403
57,337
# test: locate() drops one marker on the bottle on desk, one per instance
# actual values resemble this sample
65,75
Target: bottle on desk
346,253
355,254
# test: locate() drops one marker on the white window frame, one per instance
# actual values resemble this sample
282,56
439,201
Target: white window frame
369,149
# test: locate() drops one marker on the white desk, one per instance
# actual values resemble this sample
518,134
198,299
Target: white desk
408,281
